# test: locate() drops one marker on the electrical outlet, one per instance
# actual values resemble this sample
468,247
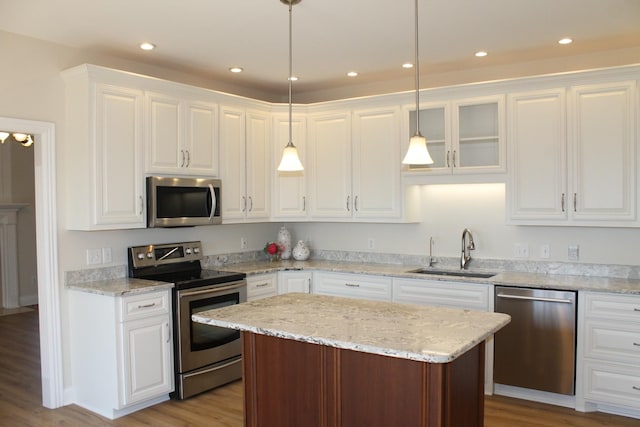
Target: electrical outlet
521,250
544,251
573,253
372,243
106,255
94,256
243,243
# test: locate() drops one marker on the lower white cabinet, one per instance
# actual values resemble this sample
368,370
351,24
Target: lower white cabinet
294,281
262,286
121,351
608,373
352,285
471,296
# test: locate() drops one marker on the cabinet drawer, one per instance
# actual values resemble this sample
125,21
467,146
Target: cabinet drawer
144,305
353,285
609,306
614,341
613,383
261,286
442,293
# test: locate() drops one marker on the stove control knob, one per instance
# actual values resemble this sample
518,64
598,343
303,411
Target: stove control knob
196,250
150,255
140,256
188,251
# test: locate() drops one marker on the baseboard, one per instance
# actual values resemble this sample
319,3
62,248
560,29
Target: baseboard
535,395
28,300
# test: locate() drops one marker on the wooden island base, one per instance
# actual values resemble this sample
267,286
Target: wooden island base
295,384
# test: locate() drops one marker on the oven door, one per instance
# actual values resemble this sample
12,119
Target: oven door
200,345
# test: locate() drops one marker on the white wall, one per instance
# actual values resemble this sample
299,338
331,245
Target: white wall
448,209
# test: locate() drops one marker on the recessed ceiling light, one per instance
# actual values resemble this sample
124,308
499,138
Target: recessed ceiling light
147,46
236,69
352,74
407,65
481,53
565,40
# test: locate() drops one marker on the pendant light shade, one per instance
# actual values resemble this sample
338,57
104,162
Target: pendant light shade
290,160
418,153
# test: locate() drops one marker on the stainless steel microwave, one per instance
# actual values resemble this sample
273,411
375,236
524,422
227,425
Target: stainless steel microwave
183,201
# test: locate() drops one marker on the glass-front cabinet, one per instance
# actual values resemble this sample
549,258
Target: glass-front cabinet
463,136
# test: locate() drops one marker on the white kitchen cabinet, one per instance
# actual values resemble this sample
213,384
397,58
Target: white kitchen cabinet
290,188
294,281
245,167
262,286
464,136
608,362
352,285
121,351
181,137
470,296
355,167
104,150
573,164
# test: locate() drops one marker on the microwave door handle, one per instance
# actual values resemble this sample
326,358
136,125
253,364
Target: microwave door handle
213,202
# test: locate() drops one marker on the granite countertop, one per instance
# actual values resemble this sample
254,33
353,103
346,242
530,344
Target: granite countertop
119,287
408,331
507,278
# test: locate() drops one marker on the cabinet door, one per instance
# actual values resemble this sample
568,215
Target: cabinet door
164,134
294,281
330,166
290,188
537,145
262,286
201,141
603,151
148,359
119,185
232,164
478,135
435,126
258,165
376,164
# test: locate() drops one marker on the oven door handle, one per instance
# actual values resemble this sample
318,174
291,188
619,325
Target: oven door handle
210,290
215,368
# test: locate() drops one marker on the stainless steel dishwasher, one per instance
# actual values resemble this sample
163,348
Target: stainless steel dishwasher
537,349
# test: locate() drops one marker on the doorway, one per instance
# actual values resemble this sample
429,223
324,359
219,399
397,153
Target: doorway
47,256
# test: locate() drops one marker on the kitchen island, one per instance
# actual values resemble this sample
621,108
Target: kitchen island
318,360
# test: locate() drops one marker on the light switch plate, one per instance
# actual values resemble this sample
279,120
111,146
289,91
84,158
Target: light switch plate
573,253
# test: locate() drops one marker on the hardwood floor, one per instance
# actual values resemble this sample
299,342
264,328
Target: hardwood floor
20,397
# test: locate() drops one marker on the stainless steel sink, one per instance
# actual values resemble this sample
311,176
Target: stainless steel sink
455,273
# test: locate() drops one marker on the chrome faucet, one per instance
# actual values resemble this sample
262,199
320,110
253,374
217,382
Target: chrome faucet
467,247
432,259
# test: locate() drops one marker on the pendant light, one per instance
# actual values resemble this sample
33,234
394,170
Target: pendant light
290,161
418,153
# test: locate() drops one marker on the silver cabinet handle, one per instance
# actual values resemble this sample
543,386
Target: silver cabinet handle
182,164
147,305
355,204
562,202
636,388
188,158
168,332
636,309
250,204
575,202
454,158
352,285
262,285
448,164
520,297
637,344
348,208
304,203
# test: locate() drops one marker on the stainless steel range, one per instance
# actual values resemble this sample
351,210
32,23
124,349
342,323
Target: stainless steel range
205,356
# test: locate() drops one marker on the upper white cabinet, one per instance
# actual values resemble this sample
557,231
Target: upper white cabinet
464,136
354,165
104,150
289,188
573,161
245,166
181,135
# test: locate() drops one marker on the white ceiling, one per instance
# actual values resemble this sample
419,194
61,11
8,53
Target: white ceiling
331,37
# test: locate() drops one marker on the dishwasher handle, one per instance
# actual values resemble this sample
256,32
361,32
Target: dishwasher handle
543,299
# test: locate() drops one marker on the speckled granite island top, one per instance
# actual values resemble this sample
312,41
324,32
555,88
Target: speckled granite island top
422,333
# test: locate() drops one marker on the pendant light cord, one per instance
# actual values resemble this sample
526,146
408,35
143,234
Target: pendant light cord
417,78
290,72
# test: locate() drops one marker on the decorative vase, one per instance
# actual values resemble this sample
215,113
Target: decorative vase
284,238
301,251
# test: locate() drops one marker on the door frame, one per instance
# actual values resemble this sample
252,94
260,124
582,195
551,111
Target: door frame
51,363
